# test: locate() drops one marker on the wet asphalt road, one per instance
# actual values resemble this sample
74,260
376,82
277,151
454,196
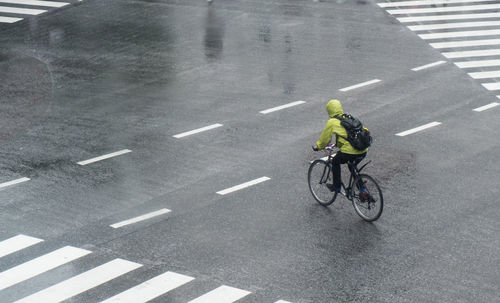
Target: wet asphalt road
97,77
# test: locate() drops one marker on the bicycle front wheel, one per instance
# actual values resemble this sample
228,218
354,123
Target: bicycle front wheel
367,198
319,175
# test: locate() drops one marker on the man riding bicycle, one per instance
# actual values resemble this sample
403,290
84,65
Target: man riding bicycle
346,151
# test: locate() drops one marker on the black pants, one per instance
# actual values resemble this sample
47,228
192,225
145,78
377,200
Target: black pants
341,158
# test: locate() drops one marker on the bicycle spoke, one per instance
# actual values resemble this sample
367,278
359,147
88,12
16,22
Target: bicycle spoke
367,198
319,176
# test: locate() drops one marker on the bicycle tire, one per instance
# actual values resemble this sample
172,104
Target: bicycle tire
317,177
372,209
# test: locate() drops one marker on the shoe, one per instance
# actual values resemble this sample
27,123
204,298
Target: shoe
332,188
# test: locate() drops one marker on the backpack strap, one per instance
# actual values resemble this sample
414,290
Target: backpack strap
340,118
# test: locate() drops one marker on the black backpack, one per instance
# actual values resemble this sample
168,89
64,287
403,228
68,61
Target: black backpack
358,135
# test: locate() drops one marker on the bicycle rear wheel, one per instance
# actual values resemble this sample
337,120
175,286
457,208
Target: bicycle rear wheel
370,203
319,175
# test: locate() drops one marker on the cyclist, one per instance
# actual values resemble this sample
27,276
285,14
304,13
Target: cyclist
346,151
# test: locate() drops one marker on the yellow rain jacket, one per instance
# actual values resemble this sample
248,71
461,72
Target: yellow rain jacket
334,108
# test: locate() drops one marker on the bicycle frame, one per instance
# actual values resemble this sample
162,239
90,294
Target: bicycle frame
353,169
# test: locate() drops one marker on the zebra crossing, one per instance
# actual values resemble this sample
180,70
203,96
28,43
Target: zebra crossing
12,11
94,277
464,31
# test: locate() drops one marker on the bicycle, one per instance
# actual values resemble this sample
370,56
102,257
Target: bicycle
362,190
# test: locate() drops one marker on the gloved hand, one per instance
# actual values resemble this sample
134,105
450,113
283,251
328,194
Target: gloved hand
315,148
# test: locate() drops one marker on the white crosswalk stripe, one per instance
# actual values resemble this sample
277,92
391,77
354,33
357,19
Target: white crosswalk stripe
151,289
456,27
448,17
36,3
82,282
21,11
409,11
26,9
40,265
17,243
223,294
473,53
427,2
94,277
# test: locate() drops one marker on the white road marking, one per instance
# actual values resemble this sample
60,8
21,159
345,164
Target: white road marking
478,63
473,53
118,153
14,182
22,11
454,44
17,243
448,17
428,65
141,218
36,3
82,282
151,289
417,129
9,19
488,106
431,27
459,8
267,111
485,75
360,85
40,265
199,130
282,301
445,35
242,186
223,294
491,86
427,2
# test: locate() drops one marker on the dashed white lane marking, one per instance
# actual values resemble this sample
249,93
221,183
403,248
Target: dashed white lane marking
459,8
151,289
428,65
417,129
199,130
485,75
141,218
478,63
282,301
22,11
345,89
448,17
491,86
82,282
40,265
270,110
430,27
14,182
486,107
9,19
489,32
223,294
243,185
473,53
17,243
36,3
455,44
118,153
